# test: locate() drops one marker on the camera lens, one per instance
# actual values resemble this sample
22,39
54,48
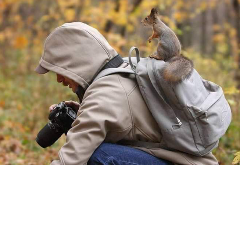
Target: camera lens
47,136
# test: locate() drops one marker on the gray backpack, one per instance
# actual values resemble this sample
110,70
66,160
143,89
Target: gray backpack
192,115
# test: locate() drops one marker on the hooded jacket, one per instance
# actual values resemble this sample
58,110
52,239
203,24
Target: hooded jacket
112,108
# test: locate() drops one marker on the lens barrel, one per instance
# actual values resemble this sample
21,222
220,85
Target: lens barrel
47,136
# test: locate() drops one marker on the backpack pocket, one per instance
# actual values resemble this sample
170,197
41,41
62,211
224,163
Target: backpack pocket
212,118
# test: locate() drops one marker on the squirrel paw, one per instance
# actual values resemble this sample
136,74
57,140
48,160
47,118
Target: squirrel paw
155,57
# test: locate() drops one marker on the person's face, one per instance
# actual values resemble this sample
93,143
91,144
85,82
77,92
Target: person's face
67,82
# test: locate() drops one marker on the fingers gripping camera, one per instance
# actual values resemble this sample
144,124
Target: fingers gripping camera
61,119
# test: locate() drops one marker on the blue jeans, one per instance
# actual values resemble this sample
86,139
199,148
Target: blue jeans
113,154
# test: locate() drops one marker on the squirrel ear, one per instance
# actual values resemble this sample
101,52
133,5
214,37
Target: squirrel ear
153,11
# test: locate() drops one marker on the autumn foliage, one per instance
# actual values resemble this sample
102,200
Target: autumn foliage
208,30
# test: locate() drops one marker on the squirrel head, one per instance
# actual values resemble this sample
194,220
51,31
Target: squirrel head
150,19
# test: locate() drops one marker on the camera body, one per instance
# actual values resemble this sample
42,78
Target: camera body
61,119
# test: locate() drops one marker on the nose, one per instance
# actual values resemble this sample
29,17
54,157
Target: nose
60,78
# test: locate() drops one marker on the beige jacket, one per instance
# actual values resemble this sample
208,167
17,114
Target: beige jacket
112,108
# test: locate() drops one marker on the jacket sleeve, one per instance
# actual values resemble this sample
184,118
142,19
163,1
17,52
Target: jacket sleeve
104,109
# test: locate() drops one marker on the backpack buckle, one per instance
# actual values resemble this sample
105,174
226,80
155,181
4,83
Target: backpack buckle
178,125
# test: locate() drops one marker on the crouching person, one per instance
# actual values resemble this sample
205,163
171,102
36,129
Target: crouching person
112,116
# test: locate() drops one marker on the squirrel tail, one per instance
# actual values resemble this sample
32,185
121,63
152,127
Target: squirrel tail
178,68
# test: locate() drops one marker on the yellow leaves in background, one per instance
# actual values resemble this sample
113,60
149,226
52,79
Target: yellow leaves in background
180,16
20,42
219,38
236,160
2,37
231,90
7,34
65,4
69,14
116,41
148,5
106,11
68,9
203,6
124,10
2,103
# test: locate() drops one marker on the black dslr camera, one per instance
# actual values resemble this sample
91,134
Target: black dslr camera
61,119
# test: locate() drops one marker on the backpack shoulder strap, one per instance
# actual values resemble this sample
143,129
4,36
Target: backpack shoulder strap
110,71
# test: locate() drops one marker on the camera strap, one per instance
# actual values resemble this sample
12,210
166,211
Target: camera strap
113,63
80,93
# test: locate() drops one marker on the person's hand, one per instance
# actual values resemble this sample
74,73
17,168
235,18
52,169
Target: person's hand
74,105
52,107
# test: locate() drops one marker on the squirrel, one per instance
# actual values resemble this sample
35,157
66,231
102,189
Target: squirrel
178,67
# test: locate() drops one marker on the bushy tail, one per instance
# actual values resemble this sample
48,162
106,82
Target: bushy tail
178,68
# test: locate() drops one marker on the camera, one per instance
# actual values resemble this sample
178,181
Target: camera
61,119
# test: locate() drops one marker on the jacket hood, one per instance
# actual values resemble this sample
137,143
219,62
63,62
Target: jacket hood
77,51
